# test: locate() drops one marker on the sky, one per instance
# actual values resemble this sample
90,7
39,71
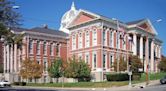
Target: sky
35,13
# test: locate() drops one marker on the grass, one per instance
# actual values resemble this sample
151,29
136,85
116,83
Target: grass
154,76
81,84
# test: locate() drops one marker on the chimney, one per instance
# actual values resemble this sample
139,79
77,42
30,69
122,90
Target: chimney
45,26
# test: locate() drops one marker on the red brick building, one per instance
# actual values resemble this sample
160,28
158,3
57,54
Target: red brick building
98,40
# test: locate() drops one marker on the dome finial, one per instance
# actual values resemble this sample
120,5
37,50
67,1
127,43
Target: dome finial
73,6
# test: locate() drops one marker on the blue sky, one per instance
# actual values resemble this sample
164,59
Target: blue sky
38,12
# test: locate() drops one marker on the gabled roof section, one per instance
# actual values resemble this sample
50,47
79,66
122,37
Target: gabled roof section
82,17
144,24
135,22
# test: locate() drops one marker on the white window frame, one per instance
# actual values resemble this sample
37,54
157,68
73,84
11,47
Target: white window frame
87,40
87,60
45,48
51,49
80,56
105,37
80,40
73,42
45,66
94,39
31,46
111,60
93,65
38,47
111,38
104,64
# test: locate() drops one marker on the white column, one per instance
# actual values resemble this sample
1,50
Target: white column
146,61
152,56
4,58
11,58
19,60
141,48
15,57
8,58
134,44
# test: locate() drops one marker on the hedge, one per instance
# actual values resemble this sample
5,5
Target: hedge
136,76
117,77
20,83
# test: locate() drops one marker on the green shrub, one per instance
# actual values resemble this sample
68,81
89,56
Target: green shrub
16,83
136,76
117,77
20,83
23,83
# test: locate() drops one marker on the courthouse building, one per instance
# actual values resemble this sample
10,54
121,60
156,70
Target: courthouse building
98,40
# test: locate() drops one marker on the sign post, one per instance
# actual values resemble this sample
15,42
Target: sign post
130,73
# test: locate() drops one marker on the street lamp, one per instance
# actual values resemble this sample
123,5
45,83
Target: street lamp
114,19
15,7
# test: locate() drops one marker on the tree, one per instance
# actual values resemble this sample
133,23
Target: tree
77,69
162,64
37,70
122,64
55,70
3,31
30,69
84,71
8,16
136,64
72,68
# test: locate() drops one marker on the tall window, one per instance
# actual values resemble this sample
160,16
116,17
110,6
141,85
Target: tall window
94,60
80,40
111,61
87,39
73,42
111,39
104,61
87,58
80,56
124,42
51,49
45,64
38,61
57,50
104,38
94,40
118,40
44,48
31,46
38,47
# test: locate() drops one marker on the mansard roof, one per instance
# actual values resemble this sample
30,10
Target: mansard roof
40,30
48,31
18,29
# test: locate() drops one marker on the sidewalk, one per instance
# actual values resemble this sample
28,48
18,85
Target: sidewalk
122,88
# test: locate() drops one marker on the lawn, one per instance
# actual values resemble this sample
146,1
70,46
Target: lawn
154,76
81,84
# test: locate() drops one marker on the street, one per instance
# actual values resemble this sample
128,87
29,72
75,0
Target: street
149,88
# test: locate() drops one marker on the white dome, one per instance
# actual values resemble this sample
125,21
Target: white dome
67,18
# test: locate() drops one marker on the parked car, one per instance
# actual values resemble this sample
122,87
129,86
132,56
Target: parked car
163,80
5,83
